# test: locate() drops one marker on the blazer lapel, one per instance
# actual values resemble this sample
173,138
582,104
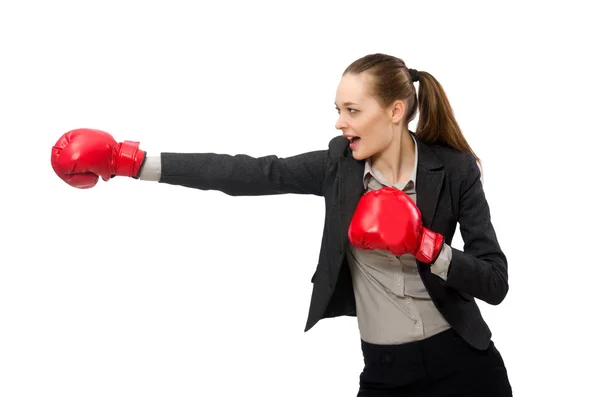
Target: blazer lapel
430,176
351,189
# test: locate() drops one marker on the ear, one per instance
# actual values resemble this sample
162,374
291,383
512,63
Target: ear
398,109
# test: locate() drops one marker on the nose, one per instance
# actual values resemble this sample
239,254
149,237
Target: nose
340,123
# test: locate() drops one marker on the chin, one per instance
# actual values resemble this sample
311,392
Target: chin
358,155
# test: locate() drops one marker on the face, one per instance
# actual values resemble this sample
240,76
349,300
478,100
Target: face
362,119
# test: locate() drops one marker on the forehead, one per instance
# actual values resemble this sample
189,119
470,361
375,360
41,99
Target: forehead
354,88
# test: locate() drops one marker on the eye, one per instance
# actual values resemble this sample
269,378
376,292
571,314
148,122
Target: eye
350,110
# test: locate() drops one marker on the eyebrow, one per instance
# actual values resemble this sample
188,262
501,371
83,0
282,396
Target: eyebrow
346,103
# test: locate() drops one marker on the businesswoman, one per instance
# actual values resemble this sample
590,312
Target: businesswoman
393,199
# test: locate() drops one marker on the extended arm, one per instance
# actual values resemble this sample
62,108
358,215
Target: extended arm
242,175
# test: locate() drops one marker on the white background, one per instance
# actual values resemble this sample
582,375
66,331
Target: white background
138,289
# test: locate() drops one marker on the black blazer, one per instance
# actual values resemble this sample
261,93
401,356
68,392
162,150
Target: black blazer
449,191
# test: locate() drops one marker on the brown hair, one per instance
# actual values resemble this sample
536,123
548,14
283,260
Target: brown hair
392,81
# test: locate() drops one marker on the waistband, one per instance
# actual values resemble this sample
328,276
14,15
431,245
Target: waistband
443,343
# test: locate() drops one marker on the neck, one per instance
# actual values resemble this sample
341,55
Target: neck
397,161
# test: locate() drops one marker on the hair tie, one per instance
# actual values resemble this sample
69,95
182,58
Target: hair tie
414,74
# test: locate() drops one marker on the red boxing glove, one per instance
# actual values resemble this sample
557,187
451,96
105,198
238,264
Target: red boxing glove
387,219
81,156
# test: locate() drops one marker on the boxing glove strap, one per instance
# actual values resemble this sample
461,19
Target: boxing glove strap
430,246
129,160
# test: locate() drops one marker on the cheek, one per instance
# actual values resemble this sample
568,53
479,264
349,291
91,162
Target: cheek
376,137
374,124
365,126
375,132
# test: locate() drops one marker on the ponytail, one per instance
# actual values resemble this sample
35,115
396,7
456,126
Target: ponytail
437,125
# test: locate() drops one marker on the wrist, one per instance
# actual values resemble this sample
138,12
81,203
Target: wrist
430,246
129,159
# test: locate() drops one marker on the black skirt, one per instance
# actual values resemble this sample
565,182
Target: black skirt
443,365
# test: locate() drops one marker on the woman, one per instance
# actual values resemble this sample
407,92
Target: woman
383,258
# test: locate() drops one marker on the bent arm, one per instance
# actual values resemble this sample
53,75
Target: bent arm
480,270
240,175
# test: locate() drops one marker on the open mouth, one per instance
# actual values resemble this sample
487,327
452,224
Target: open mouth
354,141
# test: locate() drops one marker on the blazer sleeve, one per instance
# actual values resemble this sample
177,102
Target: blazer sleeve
481,270
243,175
